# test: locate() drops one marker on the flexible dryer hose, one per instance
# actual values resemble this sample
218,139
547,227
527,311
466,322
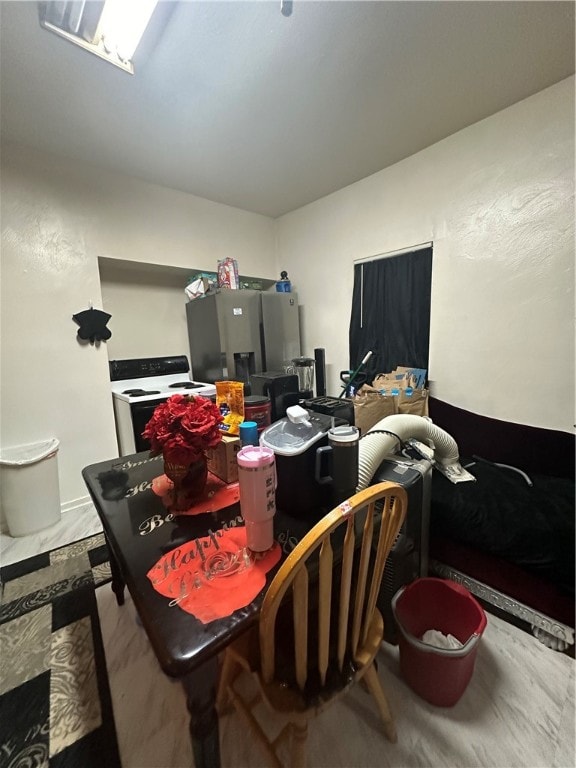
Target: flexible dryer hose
375,446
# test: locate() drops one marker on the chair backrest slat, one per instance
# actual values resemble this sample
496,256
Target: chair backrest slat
356,606
385,542
362,576
345,588
326,563
301,625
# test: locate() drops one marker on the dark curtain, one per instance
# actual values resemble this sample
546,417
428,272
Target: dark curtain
391,312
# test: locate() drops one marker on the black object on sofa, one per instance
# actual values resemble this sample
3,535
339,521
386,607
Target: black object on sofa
510,542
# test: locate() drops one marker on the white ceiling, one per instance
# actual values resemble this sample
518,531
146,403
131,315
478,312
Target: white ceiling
236,103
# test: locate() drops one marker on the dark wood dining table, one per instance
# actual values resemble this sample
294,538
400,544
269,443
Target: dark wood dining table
139,530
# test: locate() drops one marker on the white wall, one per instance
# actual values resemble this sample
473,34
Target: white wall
497,201
57,219
128,295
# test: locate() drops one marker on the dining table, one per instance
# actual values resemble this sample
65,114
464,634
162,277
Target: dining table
144,538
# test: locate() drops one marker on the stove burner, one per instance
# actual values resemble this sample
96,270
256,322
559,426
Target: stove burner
140,392
184,385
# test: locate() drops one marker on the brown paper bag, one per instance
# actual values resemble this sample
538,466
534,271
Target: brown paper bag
370,406
415,403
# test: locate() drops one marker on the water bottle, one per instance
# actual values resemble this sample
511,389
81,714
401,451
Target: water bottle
342,450
284,285
257,480
248,433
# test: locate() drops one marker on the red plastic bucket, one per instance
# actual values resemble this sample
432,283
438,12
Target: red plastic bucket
438,675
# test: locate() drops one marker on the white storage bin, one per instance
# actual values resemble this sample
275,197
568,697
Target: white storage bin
29,488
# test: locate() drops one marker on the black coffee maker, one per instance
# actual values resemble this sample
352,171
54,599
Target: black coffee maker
281,388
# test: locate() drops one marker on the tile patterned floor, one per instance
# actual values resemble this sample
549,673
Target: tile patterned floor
75,524
50,650
517,712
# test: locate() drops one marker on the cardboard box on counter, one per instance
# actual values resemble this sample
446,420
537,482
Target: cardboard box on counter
201,285
222,459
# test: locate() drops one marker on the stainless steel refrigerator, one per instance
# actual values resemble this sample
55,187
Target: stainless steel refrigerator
233,334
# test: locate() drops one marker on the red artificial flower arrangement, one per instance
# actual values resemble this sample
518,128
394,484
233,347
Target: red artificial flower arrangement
183,427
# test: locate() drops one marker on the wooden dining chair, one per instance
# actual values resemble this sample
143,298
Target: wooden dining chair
319,628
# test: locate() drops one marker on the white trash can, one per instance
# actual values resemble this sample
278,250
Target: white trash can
29,488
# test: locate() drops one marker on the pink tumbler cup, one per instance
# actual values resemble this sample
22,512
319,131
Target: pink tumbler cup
257,479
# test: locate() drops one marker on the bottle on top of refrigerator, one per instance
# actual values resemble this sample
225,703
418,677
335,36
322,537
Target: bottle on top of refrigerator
284,285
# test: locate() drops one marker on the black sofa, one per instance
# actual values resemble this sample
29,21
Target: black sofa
509,536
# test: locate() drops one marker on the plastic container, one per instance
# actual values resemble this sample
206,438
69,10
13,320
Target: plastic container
295,440
258,408
248,433
438,675
29,488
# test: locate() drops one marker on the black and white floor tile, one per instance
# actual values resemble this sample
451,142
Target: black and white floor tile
53,683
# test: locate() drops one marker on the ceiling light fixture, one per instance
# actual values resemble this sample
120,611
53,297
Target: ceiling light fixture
110,29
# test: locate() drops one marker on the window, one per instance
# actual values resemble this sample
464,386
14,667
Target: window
391,311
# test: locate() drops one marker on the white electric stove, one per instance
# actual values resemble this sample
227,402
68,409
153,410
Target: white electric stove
139,385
